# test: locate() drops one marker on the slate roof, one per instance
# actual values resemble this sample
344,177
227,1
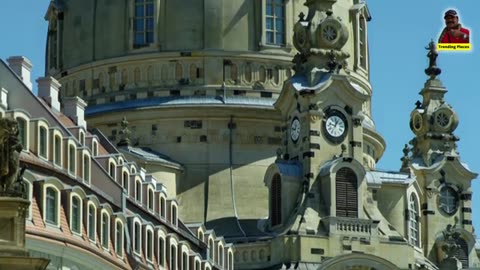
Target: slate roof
388,177
148,154
241,101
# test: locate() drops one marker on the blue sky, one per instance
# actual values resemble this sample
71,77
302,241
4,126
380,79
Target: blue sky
398,34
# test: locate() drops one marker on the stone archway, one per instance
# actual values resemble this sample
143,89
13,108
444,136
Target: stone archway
357,262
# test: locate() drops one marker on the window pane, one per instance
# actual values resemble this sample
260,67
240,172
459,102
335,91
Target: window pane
22,131
138,1
91,222
269,8
149,8
139,11
75,215
279,38
43,142
149,24
270,37
139,25
279,11
119,243
269,24
149,37
279,26
139,39
51,207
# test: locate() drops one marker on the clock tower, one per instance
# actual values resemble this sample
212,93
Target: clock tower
330,141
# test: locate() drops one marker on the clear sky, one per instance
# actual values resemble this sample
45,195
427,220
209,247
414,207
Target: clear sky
398,34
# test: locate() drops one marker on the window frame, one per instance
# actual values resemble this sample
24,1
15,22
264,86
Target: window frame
86,167
137,246
149,244
56,222
150,198
80,212
413,221
104,215
91,229
71,156
42,151
288,24
138,190
26,130
119,251
132,31
57,148
161,249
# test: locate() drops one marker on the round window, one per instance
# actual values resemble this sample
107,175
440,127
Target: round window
448,200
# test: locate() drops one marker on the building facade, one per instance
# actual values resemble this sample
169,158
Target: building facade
256,117
92,206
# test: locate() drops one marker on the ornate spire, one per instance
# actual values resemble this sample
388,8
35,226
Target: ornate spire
125,133
432,55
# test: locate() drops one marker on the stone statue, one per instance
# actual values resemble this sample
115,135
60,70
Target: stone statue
125,133
432,55
10,149
450,245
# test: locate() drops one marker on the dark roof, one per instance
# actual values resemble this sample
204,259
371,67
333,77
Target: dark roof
241,101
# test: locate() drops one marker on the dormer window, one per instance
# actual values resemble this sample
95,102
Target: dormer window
111,169
42,148
57,157
119,238
86,168
22,132
51,205
82,138
71,158
92,217
105,230
95,148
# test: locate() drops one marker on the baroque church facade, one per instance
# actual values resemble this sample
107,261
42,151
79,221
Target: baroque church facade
229,134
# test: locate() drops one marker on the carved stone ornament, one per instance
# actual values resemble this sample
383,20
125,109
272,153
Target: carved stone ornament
11,181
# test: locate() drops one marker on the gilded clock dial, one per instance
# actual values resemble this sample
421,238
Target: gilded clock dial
295,129
335,126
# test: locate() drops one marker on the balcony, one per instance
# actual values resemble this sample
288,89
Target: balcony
351,226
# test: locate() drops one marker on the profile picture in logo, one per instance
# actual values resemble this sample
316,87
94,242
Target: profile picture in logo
453,31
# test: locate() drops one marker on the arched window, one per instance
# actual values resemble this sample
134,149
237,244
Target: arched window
220,255
86,168
138,191
137,237
230,261
210,249
161,251
82,138
184,261
71,159
51,207
119,238
111,169
57,159
275,22
346,193
413,221
125,181
22,131
162,207
143,23
92,216
173,257
43,142
150,199
76,215
105,230
174,215
197,265
95,148
276,200
149,245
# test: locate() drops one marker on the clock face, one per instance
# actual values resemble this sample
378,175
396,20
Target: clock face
295,129
335,126
417,122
